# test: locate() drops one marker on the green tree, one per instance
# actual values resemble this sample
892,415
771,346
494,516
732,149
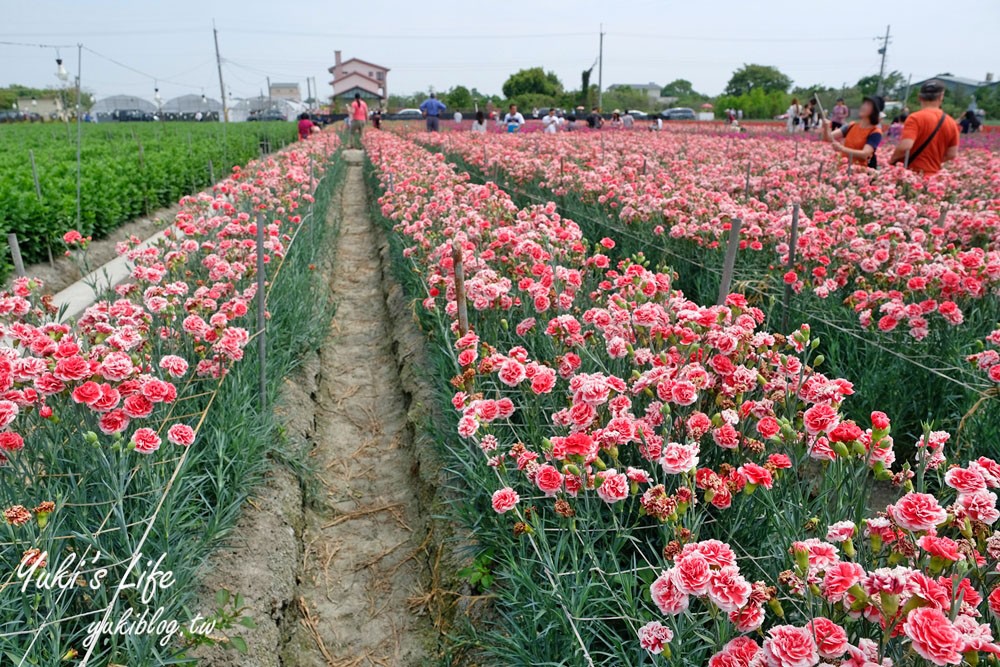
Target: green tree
894,84
755,104
752,77
532,81
459,97
11,93
584,98
679,88
626,98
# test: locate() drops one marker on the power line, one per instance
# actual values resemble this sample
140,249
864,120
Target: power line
763,40
139,72
344,35
40,46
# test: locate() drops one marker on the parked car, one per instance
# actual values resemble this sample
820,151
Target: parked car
404,114
638,115
11,116
131,115
267,114
678,113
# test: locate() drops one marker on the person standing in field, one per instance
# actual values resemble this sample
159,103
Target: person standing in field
432,108
306,126
628,121
595,121
859,141
359,116
930,136
479,125
793,113
377,119
839,114
457,117
513,120
551,122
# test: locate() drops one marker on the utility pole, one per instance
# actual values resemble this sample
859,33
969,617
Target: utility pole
909,80
268,92
218,63
600,71
79,140
881,69
309,92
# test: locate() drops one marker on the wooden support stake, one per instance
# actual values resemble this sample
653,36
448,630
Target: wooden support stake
730,261
790,266
261,311
746,194
34,175
463,307
15,254
211,172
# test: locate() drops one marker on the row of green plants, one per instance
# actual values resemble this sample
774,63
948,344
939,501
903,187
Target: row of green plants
80,482
127,170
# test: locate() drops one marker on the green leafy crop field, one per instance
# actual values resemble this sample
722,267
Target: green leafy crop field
127,170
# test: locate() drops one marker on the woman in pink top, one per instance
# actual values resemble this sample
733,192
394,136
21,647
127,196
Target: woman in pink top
359,114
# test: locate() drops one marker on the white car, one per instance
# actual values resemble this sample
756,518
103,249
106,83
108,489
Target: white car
638,115
409,113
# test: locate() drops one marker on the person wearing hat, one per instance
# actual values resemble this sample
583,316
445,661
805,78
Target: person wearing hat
930,136
859,141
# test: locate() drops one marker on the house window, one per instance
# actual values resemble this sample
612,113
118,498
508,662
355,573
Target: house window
371,73
380,76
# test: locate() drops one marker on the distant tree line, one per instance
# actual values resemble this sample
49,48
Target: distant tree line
760,91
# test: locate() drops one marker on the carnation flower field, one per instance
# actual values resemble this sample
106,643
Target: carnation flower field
653,479
898,275
632,463
136,428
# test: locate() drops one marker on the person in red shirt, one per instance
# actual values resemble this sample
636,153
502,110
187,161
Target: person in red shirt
305,126
930,136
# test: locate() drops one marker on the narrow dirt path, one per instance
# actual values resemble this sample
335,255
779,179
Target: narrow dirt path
364,555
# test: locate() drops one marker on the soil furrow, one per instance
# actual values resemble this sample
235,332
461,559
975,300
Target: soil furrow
364,547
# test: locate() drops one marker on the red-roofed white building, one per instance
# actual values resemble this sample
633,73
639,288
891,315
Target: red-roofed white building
358,76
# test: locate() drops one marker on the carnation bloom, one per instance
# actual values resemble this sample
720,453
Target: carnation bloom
548,479
830,638
933,636
181,434
668,597
504,500
654,636
614,488
678,458
917,512
728,590
789,646
145,440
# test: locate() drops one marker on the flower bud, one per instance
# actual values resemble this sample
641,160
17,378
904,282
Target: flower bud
775,606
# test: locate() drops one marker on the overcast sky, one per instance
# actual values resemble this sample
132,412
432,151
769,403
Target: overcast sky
478,44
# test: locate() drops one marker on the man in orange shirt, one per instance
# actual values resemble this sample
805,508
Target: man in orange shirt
930,136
